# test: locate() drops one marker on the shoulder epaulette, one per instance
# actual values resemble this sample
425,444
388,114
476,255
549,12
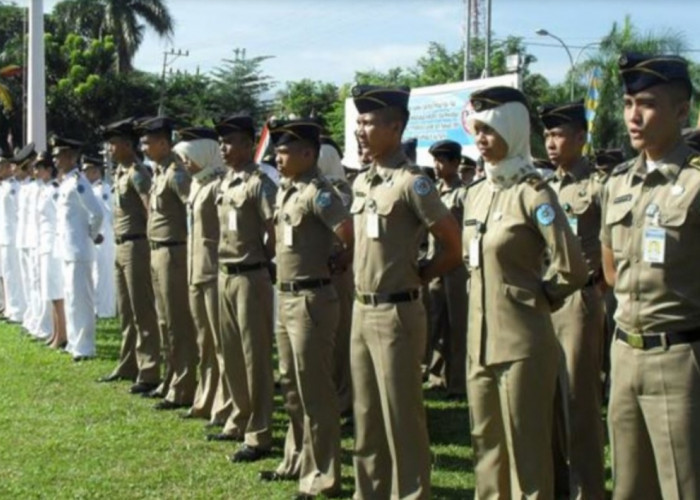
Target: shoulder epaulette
474,183
694,161
536,181
623,167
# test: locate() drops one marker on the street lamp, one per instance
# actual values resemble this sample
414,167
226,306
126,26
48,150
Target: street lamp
544,32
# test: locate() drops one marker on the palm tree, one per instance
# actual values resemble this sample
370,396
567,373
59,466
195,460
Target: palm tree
610,130
124,20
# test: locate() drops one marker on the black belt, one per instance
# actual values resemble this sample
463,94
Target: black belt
155,245
651,340
386,298
129,237
295,286
240,268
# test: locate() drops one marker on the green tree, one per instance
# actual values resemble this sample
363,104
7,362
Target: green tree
189,98
609,126
240,84
84,91
124,20
306,98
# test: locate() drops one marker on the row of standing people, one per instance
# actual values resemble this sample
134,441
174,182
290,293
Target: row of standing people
37,243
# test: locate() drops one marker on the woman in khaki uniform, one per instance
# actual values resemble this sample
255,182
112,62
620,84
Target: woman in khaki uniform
199,151
513,228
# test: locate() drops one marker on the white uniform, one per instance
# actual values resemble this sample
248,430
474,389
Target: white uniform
26,188
39,323
15,303
50,261
103,269
79,220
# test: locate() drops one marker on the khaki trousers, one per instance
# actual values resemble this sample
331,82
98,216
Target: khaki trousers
209,398
139,356
448,296
306,325
579,327
392,454
345,288
246,313
511,406
654,422
178,338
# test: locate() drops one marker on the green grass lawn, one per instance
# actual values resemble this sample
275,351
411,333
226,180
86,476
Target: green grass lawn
63,435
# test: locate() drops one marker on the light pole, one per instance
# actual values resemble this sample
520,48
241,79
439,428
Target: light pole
544,32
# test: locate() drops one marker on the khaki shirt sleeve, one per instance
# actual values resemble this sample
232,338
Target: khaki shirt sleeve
327,206
265,195
180,181
567,270
605,238
140,180
424,199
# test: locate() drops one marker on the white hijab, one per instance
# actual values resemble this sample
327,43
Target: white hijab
512,122
205,153
330,164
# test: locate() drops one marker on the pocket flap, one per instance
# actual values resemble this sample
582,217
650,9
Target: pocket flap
520,295
358,205
672,218
616,213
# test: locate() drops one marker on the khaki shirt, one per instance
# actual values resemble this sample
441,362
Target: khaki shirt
308,212
660,296
508,236
578,192
171,187
245,201
131,182
394,204
203,230
452,195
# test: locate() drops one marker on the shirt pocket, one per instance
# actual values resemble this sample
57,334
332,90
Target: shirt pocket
618,219
358,206
581,205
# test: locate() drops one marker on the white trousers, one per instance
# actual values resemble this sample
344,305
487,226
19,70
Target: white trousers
80,308
25,267
105,288
15,303
37,323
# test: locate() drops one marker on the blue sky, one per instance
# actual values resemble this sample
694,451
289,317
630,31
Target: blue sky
330,40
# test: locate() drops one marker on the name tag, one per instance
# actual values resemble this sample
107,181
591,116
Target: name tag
287,234
372,225
654,245
573,222
233,220
474,252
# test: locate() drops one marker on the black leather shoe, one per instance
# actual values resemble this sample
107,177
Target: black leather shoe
169,405
153,394
114,377
248,454
142,388
272,476
224,437
80,359
216,423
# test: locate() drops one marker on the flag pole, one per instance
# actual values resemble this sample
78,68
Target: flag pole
36,109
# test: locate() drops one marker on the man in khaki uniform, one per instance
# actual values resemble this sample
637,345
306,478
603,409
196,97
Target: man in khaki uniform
651,243
393,205
139,357
448,293
310,219
329,164
579,324
167,236
245,205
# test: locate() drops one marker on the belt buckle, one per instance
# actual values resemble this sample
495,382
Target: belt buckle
664,341
374,299
635,340
293,287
